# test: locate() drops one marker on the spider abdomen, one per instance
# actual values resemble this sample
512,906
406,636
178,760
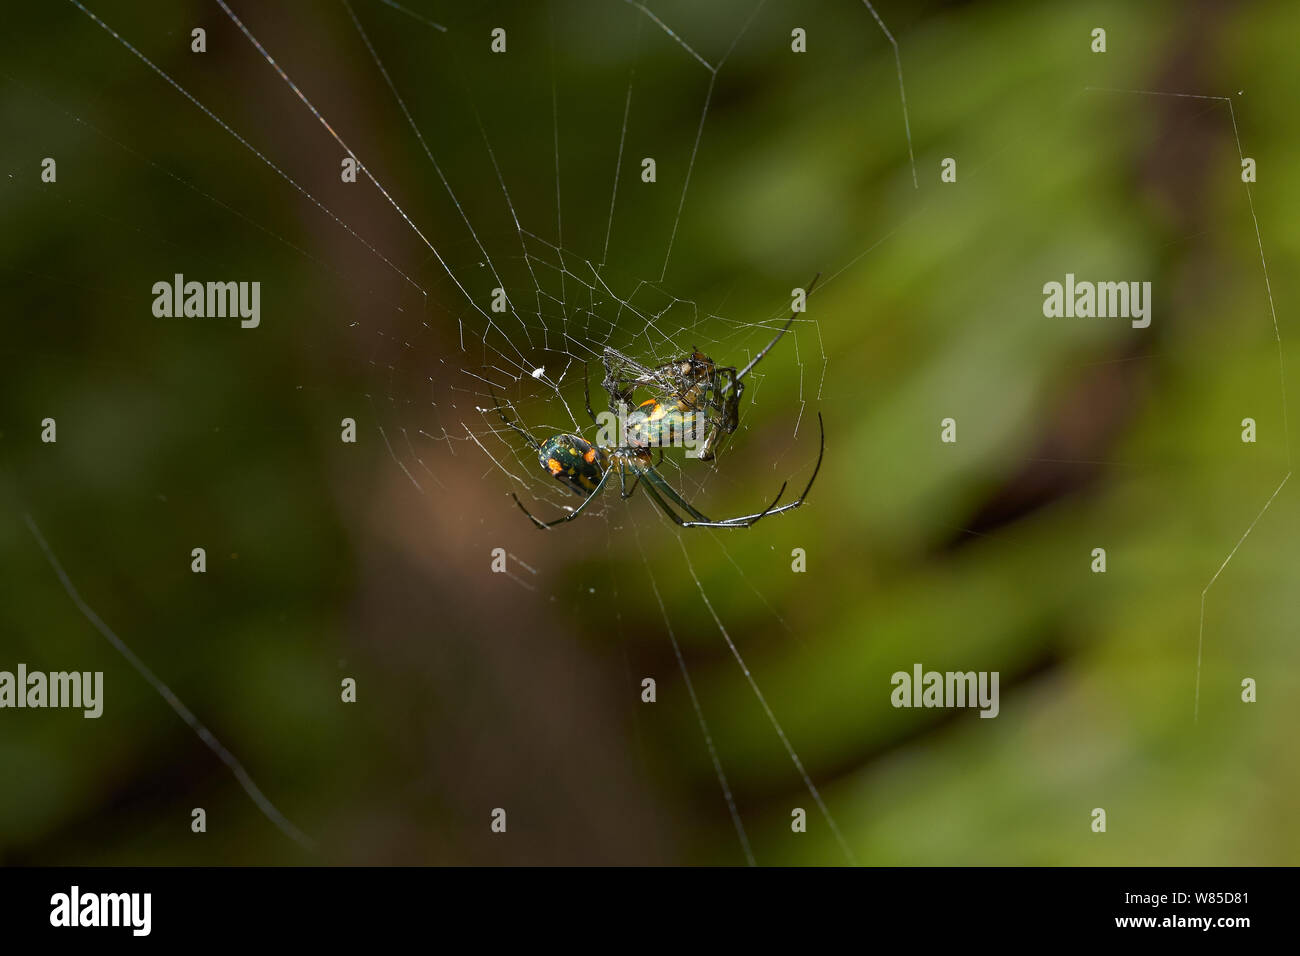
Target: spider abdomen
573,461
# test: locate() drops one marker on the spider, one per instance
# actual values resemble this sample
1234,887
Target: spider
585,469
686,387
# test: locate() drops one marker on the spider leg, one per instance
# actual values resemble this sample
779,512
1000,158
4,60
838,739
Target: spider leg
626,491
497,408
595,493
654,480
721,406
776,338
663,505
747,520
729,399
744,521
586,392
650,490
821,450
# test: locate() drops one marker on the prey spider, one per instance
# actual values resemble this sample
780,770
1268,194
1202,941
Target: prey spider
585,469
691,395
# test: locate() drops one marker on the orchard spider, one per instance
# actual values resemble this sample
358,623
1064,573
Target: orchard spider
585,468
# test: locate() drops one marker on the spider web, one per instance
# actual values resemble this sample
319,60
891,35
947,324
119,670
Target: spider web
609,259
568,291
522,172
569,295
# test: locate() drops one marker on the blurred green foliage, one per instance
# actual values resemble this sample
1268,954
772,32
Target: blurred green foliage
479,690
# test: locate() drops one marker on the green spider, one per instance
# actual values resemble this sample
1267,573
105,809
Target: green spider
585,469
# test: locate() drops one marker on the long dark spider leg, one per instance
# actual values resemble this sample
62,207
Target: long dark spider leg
586,392
624,491
654,481
497,408
595,492
776,338
653,478
746,520
663,505
627,492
